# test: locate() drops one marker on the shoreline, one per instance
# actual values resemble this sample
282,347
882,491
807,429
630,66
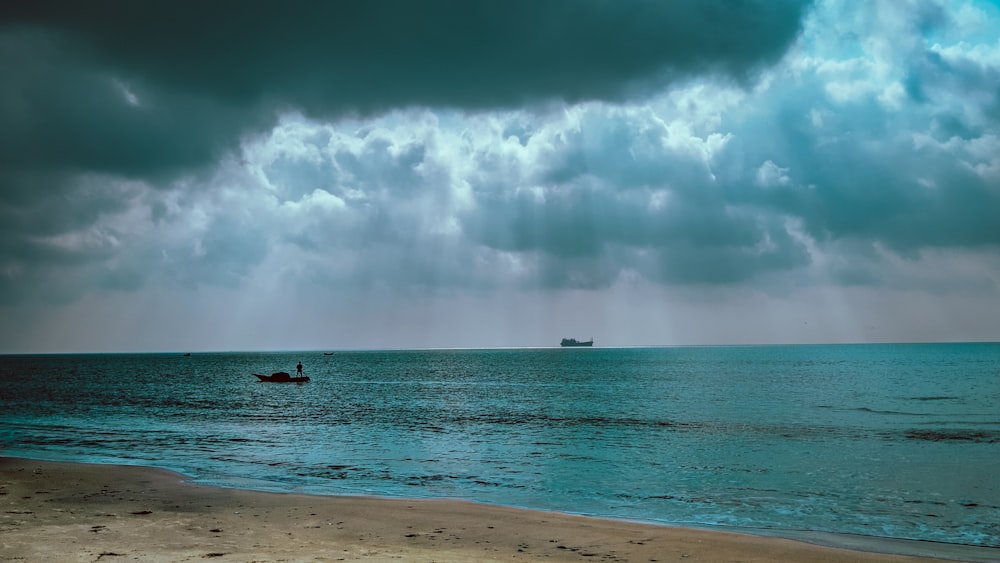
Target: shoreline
71,511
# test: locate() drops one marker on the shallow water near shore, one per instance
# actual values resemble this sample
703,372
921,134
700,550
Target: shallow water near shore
893,441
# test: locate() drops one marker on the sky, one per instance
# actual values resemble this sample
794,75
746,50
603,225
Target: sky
191,176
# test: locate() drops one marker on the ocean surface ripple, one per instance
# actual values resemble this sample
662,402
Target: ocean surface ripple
896,441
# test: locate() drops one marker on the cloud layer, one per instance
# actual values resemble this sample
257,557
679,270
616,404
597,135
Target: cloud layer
404,152
146,90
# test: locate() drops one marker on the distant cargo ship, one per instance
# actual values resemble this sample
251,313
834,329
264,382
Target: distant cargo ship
575,342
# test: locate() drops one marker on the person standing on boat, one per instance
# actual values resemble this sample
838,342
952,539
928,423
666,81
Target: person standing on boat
298,369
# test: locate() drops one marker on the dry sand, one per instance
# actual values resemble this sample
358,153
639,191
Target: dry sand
79,512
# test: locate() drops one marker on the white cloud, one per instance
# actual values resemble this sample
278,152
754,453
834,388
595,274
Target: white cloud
770,174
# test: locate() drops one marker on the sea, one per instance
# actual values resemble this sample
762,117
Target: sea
881,441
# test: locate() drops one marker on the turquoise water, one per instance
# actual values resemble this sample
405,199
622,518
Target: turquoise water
898,441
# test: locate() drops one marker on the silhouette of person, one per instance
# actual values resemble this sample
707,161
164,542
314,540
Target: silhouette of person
298,368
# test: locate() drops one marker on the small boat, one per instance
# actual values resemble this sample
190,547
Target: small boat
327,353
281,377
575,342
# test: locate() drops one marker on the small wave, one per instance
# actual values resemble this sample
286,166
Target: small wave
978,436
895,413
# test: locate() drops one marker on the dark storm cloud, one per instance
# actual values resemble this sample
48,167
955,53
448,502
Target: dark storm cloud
152,89
327,57
63,113
154,92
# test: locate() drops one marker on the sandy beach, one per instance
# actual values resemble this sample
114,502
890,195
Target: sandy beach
80,512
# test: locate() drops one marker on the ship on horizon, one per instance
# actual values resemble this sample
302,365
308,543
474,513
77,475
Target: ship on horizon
575,342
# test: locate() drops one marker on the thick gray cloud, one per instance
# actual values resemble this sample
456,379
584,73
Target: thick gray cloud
109,92
636,204
141,90
328,57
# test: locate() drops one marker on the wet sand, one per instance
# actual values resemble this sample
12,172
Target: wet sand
81,512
